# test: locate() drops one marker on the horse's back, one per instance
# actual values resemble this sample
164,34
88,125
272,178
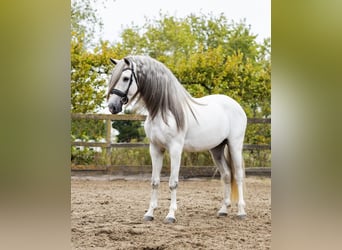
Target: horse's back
222,106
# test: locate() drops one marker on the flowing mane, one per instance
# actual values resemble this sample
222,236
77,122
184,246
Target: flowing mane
160,90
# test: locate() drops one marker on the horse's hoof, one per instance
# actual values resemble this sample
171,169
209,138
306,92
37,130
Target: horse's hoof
241,216
148,218
221,214
170,220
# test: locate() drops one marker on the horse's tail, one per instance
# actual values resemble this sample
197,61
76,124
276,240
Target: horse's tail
234,195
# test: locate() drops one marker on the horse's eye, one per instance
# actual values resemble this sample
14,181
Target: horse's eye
125,79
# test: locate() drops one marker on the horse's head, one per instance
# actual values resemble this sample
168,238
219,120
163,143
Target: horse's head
122,85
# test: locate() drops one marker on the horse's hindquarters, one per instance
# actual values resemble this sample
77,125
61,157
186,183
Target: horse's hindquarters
218,119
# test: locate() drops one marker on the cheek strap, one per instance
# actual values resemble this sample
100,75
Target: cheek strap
124,98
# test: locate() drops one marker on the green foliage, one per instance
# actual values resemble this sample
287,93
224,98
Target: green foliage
131,157
89,59
88,129
141,157
257,158
89,74
129,130
87,156
84,21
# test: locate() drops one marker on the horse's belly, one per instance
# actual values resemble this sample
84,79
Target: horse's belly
202,142
198,147
206,135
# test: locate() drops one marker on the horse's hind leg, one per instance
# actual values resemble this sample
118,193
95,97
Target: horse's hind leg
157,163
235,149
217,154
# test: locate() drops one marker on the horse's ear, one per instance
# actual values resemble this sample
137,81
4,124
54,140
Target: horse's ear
114,61
127,61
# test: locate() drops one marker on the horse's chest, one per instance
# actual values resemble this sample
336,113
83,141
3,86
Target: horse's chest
160,133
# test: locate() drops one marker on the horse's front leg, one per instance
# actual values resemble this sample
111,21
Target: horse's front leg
175,155
157,162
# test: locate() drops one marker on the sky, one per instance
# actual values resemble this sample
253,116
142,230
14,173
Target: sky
120,14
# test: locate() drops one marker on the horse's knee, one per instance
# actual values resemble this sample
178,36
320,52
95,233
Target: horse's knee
155,183
173,185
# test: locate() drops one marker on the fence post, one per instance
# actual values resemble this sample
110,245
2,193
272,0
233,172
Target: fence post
108,140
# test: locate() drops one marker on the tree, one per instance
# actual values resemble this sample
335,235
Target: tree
89,59
89,69
89,76
84,22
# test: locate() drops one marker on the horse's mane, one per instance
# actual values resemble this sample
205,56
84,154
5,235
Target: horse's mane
160,90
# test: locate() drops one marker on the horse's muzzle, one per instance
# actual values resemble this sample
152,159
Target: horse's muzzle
114,109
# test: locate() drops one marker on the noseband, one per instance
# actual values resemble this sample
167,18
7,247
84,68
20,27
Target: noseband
124,98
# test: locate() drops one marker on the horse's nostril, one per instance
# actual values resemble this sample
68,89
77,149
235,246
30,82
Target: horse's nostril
111,108
114,109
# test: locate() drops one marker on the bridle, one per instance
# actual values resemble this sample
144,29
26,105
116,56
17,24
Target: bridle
124,98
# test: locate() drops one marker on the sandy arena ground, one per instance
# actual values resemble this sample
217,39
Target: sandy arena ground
107,214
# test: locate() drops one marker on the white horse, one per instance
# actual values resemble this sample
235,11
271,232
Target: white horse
176,122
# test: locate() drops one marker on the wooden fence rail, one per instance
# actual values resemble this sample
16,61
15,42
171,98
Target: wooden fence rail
133,117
